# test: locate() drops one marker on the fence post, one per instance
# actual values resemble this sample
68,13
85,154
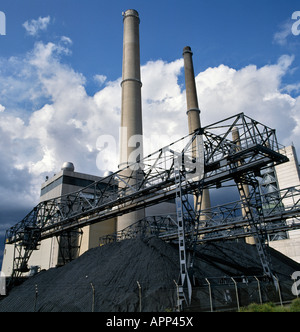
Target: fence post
178,301
36,297
210,296
93,302
259,291
279,291
140,295
237,294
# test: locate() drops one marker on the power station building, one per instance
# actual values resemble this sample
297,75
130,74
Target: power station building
287,176
52,251
68,181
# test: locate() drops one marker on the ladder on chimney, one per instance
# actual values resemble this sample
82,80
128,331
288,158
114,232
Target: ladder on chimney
184,276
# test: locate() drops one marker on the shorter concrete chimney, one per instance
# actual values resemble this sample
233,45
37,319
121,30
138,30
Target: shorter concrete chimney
193,110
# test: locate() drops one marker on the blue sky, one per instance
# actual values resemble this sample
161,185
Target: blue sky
60,69
232,32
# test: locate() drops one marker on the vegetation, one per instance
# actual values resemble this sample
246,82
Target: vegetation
271,307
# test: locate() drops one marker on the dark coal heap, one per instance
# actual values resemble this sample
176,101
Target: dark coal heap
104,279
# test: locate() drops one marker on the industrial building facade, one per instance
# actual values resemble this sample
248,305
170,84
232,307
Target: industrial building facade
67,181
50,253
288,175
51,250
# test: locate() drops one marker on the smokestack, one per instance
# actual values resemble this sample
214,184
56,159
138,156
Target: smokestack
131,120
193,111
131,142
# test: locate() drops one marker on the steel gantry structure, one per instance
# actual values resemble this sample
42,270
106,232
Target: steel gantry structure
207,158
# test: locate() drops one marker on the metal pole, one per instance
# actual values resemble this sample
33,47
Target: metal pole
237,294
210,296
140,295
36,296
93,302
279,291
178,300
259,291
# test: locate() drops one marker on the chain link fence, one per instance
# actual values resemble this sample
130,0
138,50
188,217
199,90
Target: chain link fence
225,294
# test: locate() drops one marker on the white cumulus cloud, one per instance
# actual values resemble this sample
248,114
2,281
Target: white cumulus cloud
66,123
281,36
33,27
100,79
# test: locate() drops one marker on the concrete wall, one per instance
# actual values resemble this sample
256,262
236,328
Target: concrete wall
48,254
8,257
92,233
58,186
289,247
288,175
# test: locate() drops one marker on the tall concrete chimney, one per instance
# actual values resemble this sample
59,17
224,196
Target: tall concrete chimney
131,142
193,111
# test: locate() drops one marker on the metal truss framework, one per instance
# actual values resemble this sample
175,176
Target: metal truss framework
222,222
209,158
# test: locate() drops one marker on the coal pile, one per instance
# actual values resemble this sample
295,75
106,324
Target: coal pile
113,270
105,279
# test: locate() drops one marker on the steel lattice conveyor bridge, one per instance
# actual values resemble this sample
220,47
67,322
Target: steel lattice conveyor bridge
280,213
208,158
